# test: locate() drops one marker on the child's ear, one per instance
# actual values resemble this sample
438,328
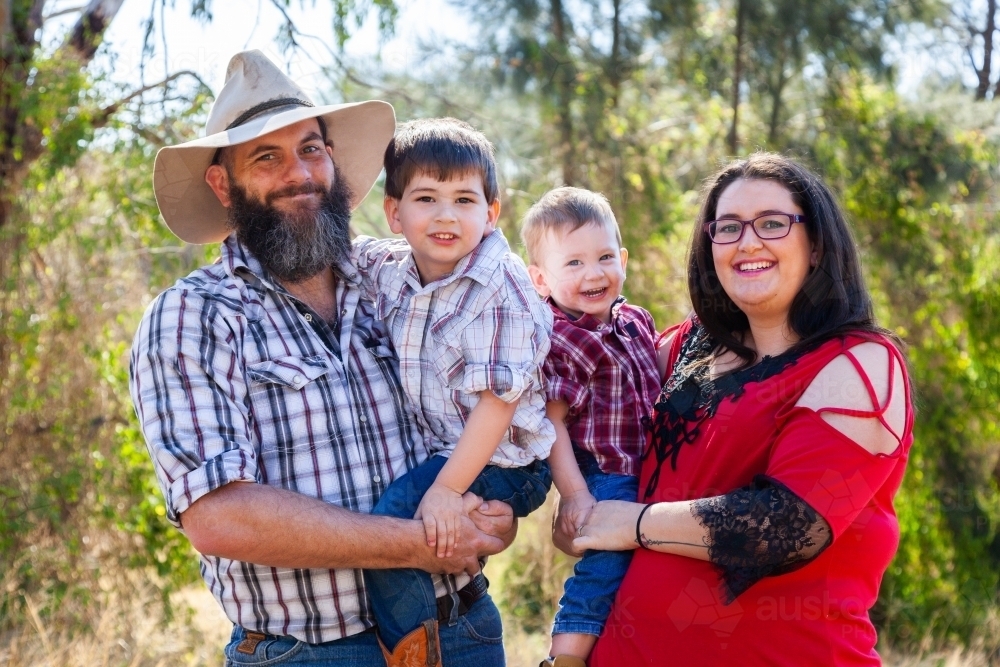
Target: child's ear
492,215
624,252
391,207
538,280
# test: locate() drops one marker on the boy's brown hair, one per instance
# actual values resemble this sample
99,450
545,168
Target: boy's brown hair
443,148
565,209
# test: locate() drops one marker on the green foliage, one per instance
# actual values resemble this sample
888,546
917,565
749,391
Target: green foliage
79,505
920,188
527,579
636,105
918,191
348,17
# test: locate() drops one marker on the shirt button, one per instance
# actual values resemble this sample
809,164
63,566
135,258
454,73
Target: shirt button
353,275
297,379
411,374
376,478
362,418
343,313
309,317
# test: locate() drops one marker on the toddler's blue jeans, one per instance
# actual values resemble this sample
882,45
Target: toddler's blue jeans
589,593
403,598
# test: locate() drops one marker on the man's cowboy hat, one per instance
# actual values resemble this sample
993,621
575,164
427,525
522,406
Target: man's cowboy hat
257,99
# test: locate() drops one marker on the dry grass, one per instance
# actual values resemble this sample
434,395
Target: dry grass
127,632
130,633
129,628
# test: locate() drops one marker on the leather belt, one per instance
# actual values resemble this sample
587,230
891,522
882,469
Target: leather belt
467,596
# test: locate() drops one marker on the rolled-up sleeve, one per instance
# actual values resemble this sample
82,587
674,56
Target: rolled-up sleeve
563,382
503,349
568,369
190,396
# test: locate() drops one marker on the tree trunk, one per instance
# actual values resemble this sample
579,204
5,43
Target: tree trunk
991,29
20,141
6,27
88,33
615,65
733,139
776,91
564,80
985,71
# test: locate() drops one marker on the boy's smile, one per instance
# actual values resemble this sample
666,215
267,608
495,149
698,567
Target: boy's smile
582,271
443,221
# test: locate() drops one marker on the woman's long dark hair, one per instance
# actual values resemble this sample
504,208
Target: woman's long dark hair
833,299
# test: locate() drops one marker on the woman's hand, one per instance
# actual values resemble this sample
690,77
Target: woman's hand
572,513
610,527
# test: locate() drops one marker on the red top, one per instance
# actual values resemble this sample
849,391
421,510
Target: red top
670,610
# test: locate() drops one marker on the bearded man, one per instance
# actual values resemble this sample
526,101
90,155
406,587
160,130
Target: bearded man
269,395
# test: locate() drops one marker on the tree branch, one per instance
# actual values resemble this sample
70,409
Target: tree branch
63,12
35,15
349,74
88,33
289,26
6,28
733,140
112,109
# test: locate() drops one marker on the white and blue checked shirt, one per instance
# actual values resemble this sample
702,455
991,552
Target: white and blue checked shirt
483,327
235,380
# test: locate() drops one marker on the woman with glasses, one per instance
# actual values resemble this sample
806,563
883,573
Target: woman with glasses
765,518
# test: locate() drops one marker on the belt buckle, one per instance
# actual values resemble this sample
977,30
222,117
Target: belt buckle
467,596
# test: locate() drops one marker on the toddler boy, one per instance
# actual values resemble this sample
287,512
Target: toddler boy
471,335
602,382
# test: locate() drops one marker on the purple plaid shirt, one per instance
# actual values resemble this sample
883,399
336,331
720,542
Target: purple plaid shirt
235,380
607,375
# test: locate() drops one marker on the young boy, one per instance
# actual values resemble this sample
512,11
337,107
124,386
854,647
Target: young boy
471,335
602,382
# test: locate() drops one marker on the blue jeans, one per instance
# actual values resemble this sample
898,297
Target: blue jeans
589,593
403,598
476,640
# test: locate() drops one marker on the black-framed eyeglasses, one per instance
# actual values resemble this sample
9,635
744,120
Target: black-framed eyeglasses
768,226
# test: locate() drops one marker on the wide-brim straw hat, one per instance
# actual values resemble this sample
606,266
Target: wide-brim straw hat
257,99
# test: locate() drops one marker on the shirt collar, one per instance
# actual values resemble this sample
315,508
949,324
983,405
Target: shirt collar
478,265
587,321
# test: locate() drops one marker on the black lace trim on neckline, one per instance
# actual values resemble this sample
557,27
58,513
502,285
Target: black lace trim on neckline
690,396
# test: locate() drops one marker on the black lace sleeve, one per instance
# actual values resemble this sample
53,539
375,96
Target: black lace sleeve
759,531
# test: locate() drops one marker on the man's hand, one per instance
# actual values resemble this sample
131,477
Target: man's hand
440,510
490,530
571,514
496,519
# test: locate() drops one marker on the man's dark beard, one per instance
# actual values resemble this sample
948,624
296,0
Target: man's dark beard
298,245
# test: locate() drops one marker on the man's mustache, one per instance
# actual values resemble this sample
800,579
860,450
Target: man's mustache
293,190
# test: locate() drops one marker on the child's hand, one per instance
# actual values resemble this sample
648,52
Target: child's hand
571,513
440,509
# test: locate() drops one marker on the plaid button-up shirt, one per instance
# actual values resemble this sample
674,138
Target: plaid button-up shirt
607,375
235,380
480,328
